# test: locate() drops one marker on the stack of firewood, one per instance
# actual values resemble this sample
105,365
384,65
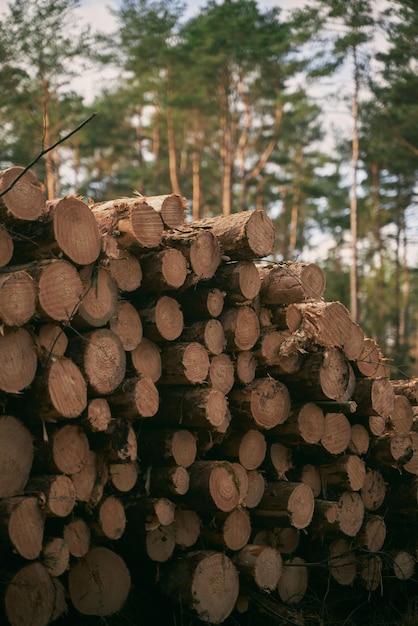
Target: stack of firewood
168,391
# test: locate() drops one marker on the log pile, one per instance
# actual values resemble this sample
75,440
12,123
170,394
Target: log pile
172,403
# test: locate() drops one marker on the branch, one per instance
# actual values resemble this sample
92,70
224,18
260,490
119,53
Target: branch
43,152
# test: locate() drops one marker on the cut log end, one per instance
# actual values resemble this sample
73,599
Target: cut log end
207,582
76,231
99,583
25,200
30,597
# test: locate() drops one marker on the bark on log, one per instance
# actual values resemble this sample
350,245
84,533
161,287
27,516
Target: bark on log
162,319
169,445
135,398
372,535
248,447
241,475
200,248
286,502
240,281
208,332
245,235
411,466
99,583
259,564
308,474
16,452
18,297
163,271
278,460
184,363
392,450
24,201
407,388
206,302
194,580
344,515
305,424
134,224
347,472
270,354
121,441
285,283
193,407
327,324
265,402
374,397
213,485
18,360
326,374
30,596
155,512
171,207
56,493
167,481
66,450
230,531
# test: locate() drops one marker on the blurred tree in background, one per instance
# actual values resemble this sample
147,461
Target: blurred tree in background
230,108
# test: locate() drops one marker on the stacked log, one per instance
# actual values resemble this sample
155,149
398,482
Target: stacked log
175,403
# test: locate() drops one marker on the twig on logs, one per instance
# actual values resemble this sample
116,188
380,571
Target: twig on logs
45,151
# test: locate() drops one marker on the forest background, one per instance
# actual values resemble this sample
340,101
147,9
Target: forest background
308,110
